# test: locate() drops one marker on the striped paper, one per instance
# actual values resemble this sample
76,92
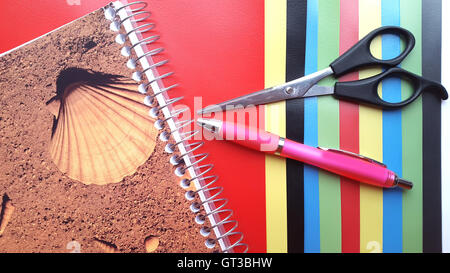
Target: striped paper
340,215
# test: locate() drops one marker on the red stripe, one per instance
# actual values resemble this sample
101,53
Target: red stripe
349,132
28,19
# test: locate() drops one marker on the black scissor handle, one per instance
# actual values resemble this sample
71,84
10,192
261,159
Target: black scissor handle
359,55
366,90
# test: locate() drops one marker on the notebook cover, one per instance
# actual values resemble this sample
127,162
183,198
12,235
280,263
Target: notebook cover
82,168
230,48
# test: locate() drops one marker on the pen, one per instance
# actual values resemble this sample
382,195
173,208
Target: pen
353,166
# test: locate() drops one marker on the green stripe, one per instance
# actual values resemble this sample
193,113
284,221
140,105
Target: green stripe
410,18
328,128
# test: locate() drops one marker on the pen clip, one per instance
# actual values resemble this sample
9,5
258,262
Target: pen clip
354,155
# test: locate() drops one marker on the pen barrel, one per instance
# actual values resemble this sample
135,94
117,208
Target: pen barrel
340,163
250,137
346,165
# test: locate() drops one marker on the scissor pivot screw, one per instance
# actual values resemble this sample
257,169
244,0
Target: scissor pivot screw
289,90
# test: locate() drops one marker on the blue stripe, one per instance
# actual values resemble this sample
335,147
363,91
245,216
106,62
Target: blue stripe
311,175
392,134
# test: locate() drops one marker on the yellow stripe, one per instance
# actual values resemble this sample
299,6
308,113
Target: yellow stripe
370,139
275,121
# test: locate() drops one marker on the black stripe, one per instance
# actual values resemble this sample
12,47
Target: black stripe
431,68
295,67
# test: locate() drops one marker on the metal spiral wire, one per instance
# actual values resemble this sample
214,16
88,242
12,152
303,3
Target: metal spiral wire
211,192
126,50
131,63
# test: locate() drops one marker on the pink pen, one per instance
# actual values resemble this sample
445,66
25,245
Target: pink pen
353,166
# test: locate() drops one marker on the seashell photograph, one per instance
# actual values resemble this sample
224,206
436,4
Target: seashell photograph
102,131
80,156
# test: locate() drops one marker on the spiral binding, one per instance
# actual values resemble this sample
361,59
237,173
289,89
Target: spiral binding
137,15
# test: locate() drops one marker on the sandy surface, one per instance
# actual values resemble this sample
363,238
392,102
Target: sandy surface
54,213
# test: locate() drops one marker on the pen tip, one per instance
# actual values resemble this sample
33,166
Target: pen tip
212,125
201,122
404,184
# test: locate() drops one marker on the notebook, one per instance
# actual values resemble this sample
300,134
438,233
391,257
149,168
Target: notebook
95,151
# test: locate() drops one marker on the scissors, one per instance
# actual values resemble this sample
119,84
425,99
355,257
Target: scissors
364,90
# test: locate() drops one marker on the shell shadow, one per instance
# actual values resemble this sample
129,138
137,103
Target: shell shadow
73,75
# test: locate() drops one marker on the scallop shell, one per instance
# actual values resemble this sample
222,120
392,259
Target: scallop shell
106,247
102,129
151,243
7,211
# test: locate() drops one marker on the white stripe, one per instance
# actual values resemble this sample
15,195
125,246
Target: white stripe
445,123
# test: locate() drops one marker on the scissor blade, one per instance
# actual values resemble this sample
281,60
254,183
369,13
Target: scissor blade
259,97
265,96
318,90
290,90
